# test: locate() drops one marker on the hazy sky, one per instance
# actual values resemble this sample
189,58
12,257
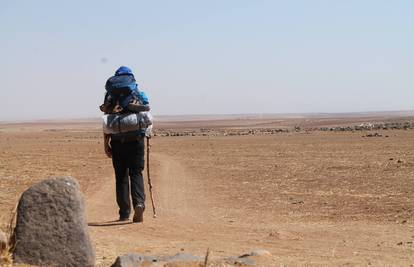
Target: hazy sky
207,57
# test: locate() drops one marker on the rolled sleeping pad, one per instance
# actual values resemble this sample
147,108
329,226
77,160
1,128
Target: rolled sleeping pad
123,123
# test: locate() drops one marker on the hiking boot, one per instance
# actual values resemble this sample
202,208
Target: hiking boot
137,107
117,109
105,107
138,214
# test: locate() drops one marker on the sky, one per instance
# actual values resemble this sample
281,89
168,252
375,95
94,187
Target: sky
207,57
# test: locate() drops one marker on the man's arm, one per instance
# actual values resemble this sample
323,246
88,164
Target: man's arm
107,147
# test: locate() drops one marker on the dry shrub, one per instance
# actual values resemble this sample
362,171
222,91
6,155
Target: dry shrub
7,240
6,257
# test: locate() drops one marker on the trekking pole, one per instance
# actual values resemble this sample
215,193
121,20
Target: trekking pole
149,178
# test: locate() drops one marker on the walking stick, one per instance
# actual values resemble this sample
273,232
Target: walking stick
149,178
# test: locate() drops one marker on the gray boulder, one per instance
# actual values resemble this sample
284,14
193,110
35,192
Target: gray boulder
51,227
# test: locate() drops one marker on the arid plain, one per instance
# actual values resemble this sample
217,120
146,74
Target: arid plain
233,184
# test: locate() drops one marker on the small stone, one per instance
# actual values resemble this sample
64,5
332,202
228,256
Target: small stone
239,261
257,252
260,252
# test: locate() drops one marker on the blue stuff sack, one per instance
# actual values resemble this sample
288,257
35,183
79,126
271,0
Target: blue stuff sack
121,85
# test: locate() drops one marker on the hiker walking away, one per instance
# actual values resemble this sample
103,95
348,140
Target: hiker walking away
127,149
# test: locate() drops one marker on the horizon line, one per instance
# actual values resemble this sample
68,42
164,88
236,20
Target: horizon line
220,116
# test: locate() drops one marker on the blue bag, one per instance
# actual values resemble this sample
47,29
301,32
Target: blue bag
121,85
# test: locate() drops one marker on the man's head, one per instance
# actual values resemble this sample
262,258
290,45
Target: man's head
123,71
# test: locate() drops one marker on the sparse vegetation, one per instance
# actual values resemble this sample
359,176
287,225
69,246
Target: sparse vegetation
7,240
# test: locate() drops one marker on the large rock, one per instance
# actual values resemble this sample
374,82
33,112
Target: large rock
51,228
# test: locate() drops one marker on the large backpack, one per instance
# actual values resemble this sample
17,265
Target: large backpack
121,90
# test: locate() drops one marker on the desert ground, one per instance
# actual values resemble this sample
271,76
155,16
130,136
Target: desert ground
309,197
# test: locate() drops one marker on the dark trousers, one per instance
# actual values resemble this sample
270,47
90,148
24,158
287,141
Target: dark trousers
128,161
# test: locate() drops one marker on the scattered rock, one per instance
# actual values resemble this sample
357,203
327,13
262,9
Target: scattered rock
407,243
377,126
51,227
239,261
246,259
373,135
257,252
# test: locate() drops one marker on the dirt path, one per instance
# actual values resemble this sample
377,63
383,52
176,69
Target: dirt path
180,207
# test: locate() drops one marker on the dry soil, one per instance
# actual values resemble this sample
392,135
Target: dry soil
310,198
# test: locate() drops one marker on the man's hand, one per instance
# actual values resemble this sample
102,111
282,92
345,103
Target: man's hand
107,147
108,151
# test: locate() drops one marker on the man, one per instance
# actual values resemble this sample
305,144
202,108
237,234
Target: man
127,151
